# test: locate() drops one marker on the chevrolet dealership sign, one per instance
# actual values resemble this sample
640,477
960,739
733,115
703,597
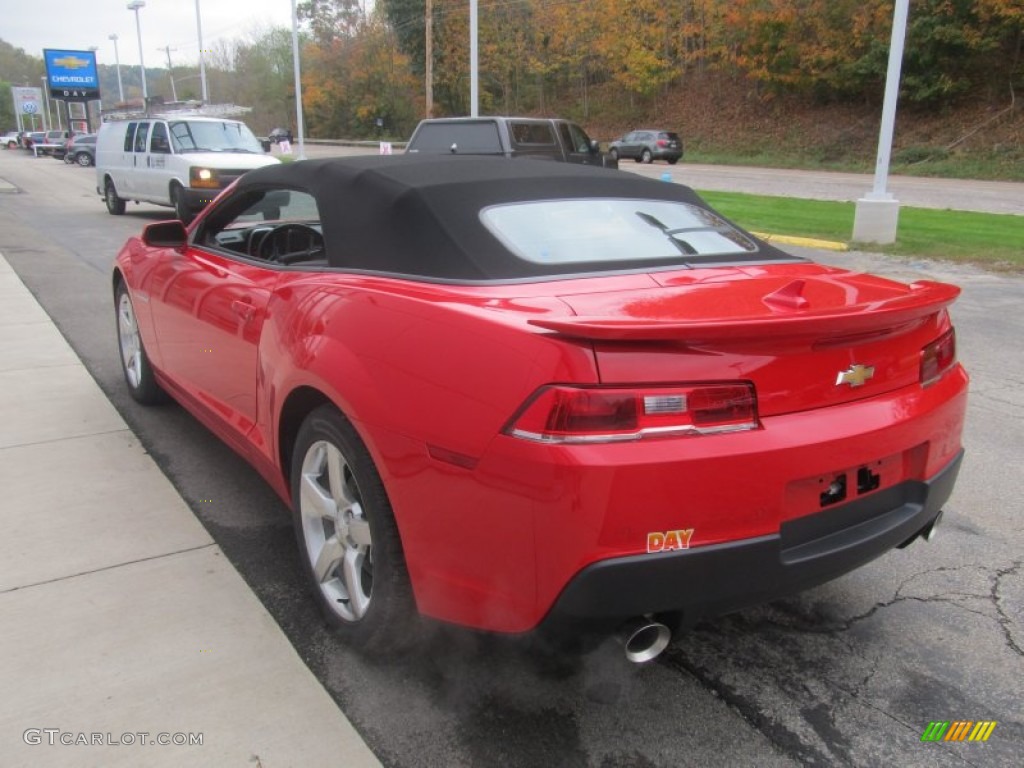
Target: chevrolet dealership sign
72,75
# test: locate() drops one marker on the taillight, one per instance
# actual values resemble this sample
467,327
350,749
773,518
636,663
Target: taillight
662,143
563,414
938,357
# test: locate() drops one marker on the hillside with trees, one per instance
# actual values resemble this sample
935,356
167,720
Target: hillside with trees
782,81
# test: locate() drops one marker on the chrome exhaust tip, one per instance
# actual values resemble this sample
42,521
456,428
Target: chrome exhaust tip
933,528
644,639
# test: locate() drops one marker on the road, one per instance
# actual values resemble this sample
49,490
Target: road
920,192
849,673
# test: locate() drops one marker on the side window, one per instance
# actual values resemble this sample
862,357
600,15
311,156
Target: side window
279,226
158,141
141,134
566,134
580,140
129,137
532,133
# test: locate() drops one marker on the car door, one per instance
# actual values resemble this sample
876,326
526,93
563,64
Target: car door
578,147
153,171
136,145
628,148
209,305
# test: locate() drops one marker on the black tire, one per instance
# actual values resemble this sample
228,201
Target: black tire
646,156
115,205
181,209
138,373
84,159
673,160
371,604
613,154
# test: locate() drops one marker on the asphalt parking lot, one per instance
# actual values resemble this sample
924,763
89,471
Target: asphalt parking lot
850,673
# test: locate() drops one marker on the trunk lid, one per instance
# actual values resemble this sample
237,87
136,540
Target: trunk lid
807,336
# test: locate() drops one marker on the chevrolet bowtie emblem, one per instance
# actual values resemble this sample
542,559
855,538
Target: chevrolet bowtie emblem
855,375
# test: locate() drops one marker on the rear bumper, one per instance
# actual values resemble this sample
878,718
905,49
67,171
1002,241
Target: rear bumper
720,578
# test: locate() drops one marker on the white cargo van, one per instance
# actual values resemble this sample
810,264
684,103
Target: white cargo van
182,162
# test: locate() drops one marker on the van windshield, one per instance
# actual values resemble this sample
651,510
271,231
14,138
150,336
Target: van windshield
213,136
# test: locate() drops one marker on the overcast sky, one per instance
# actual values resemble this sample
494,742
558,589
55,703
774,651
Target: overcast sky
81,24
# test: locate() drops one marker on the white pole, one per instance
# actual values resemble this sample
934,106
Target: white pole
892,92
300,129
46,103
117,65
474,86
135,5
876,218
202,54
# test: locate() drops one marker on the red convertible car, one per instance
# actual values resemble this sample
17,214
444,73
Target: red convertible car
531,396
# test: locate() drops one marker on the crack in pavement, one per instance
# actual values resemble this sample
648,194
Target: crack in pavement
821,716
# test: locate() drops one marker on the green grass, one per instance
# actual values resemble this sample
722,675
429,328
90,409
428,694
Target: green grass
990,239
994,166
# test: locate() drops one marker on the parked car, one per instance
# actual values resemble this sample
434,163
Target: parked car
81,149
32,138
53,143
511,137
647,145
11,140
177,161
555,396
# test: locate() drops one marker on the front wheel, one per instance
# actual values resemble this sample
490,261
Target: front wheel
613,154
84,159
351,549
180,203
138,374
115,205
646,157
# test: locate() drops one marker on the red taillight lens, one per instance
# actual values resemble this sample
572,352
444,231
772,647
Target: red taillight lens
562,414
662,143
938,357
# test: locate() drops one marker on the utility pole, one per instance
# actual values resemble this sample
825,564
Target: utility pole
170,70
428,63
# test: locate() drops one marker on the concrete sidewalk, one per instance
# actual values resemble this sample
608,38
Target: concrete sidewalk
123,624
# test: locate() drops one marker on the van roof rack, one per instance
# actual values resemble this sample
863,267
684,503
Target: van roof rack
170,110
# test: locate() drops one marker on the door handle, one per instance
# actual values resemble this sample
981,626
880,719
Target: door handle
243,309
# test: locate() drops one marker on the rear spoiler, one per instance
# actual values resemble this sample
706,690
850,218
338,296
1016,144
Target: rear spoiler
924,298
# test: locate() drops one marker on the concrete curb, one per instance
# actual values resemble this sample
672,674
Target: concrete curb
127,633
806,242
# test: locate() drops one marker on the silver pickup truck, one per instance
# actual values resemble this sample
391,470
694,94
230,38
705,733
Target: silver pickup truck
540,138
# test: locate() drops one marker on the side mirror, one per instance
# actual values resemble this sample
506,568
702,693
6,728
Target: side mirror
595,146
165,234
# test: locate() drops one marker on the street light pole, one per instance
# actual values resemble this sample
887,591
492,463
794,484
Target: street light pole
117,65
135,5
202,54
46,103
876,217
300,129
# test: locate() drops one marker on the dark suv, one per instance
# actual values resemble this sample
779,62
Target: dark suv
648,144
513,137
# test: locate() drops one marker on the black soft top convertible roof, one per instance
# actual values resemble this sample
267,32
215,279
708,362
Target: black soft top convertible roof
419,217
